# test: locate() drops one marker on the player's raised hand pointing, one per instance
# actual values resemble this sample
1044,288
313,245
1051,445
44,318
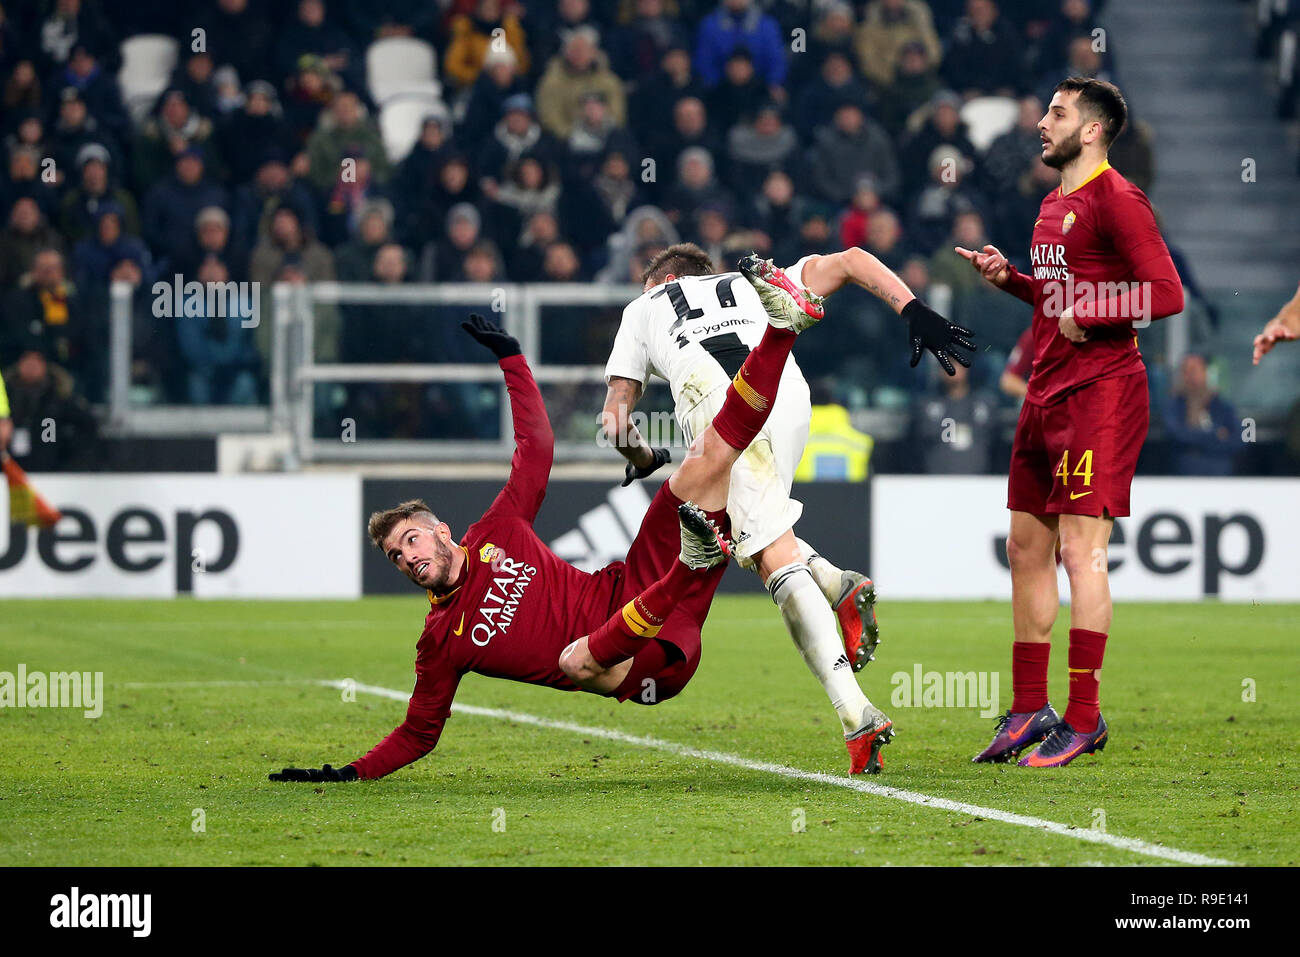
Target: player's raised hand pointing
990,263
489,334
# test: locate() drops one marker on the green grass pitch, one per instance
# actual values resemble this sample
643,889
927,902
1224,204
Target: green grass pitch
203,699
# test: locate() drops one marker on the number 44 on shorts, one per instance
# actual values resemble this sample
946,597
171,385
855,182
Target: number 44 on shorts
1082,469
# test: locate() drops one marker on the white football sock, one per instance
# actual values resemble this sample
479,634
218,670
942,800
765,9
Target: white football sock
812,626
824,573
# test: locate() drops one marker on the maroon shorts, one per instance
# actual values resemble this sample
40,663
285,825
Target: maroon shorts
1078,456
670,659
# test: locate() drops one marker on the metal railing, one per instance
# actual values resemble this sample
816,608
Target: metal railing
129,418
295,371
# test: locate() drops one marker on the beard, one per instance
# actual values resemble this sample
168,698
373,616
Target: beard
1066,152
440,566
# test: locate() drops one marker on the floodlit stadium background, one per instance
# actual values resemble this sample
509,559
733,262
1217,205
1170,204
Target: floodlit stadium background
368,173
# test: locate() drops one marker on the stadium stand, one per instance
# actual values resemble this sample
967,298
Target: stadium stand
147,64
401,65
508,142
987,118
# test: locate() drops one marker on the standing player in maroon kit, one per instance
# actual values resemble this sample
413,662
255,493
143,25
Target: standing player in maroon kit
501,602
1099,263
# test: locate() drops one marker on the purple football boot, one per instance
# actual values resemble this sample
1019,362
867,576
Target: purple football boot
1015,732
1064,744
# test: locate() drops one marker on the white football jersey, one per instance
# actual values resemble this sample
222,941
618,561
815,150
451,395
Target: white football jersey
695,332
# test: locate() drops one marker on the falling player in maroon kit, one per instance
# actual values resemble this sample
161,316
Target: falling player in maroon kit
504,605
1099,264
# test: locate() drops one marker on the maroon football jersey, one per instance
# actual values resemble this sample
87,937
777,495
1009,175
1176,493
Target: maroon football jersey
517,604
1097,250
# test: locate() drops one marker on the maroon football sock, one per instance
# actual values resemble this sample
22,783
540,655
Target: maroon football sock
640,619
753,390
1029,675
1087,648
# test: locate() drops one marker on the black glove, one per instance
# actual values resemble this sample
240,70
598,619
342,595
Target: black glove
634,472
929,330
327,773
488,333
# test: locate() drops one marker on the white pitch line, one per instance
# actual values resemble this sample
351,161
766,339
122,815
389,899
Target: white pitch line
853,784
245,683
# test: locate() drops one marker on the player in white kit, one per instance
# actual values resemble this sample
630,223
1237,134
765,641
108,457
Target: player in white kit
694,327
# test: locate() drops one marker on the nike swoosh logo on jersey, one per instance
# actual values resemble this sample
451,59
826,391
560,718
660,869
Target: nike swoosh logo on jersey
1074,495
461,626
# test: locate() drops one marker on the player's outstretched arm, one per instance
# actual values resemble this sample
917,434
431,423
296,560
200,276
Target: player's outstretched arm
1284,327
426,715
530,469
927,330
492,337
824,275
615,420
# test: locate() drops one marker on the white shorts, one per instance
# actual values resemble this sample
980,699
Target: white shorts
759,501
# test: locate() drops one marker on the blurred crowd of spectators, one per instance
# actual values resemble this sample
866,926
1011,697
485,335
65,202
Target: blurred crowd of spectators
1277,38
953,427
590,134
573,140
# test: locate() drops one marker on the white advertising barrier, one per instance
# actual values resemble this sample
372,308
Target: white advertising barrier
161,535
1187,539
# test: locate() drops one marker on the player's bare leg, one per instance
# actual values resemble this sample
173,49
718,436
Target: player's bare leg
705,476
812,626
1084,539
1031,553
600,661
576,662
